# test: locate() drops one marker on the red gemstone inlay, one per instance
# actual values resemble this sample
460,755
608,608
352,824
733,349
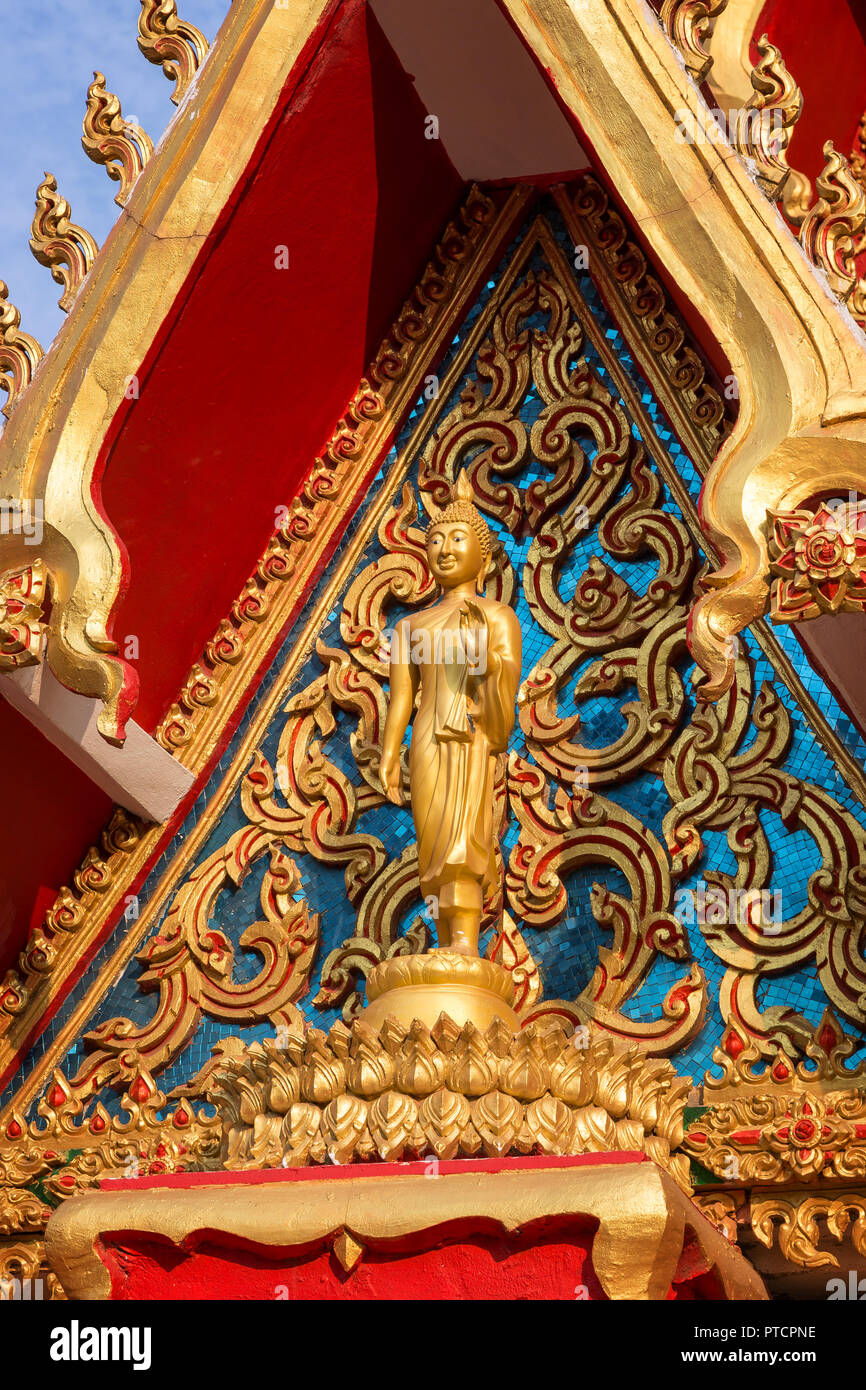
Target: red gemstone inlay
827,1038
733,1043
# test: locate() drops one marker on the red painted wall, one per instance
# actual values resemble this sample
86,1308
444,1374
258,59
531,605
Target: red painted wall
824,47
50,814
468,1258
240,393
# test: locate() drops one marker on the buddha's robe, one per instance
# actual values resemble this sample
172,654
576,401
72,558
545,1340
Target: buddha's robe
451,763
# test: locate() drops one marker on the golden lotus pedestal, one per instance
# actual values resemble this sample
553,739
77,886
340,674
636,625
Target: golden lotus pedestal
468,989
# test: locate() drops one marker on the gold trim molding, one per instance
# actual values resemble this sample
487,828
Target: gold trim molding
802,416
49,450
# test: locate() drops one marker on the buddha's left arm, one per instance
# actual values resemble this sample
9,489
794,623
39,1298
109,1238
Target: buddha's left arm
499,689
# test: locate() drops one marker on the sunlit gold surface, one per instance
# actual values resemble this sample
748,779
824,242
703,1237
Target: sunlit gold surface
464,987
643,1218
690,24
173,44
59,243
122,146
798,361
793,1220
20,353
461,659
763,140
49,449
401,1090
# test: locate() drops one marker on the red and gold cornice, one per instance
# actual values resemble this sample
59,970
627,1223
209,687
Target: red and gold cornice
802,415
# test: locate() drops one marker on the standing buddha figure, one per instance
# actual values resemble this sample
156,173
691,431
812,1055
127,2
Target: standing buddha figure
464,653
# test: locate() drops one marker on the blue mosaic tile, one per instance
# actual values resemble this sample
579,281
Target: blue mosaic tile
567,953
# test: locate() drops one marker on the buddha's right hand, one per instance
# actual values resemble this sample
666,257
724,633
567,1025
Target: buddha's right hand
391,779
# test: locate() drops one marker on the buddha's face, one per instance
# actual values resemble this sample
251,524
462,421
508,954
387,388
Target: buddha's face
454,554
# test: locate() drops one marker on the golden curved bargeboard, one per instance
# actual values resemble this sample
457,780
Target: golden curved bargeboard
50,447
796,357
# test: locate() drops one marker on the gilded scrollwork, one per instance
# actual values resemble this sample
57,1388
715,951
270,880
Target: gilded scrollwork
75,1143
20,353
689,24
716,782
173,44
830,229
121,145
783,1138
59,243
764,128
98,875
794,1219
190,963
695,402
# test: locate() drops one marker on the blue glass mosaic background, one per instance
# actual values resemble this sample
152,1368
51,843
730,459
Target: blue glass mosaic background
566,954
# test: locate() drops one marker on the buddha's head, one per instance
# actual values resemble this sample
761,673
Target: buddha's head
458,540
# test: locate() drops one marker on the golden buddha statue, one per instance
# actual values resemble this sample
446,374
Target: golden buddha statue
463,654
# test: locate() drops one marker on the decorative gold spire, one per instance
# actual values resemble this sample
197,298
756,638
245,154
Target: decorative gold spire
20,354
858,153
172,44
839,216
765,126
122,146
687,24
56,241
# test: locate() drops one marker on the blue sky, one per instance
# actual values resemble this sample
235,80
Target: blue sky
49,50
